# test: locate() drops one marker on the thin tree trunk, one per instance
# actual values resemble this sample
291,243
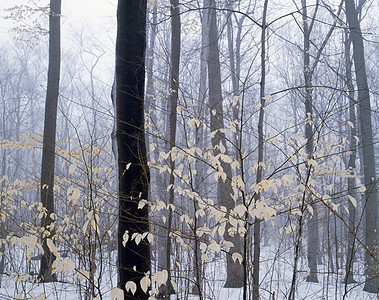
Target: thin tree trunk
198,221
150,90
163,182
197,288
167,289
351,182
163,260
133,173
4,162
369,172
49,137
313,242
313,238
291,295
257,221
234,60
224,189
3,231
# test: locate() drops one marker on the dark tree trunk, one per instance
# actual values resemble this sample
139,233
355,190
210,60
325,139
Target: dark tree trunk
49,136
313,223
313,242
369,173
224,190
234,61
133,260
257,221
351,182
167,289
197,288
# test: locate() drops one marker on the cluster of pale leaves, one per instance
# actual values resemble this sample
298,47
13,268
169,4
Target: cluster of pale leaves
280,191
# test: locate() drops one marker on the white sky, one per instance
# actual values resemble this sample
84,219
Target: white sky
99,14
92,21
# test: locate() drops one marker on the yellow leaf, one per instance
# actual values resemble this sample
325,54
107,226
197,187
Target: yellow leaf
117,294
236,256
350,124
52,247
145,283
71,169
352,200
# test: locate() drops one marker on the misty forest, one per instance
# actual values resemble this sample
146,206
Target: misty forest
177,149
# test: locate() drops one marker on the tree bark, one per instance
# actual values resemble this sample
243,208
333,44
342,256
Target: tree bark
150,90
351,182
224,188
313,227
234,61
313,242
199,165
167,289
49,138
257,221
369,172
133,260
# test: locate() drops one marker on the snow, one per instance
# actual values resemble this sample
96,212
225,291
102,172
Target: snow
276,274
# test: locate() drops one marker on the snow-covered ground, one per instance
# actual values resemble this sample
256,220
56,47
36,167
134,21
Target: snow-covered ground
276,272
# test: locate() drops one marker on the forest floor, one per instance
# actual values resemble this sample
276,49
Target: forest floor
276,272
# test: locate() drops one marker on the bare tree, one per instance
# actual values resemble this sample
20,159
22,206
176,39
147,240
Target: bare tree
313,240
308,71
199,178
167,289
224,189
369,171
49,137
133,259
351,182
257,221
